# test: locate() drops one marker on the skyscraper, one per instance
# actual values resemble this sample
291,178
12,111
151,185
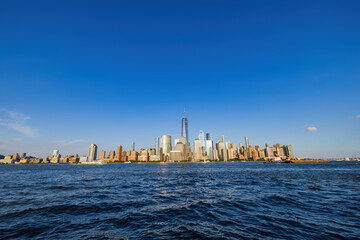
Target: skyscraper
92,152
157,144
289,151
209,149
133,146
55,153
202,140
247,143
197,150
184,128
209,146
102,155
208,136
119,152
166,143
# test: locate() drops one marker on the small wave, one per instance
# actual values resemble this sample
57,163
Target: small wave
61,187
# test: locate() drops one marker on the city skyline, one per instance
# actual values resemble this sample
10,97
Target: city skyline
169,150
130,145
73,74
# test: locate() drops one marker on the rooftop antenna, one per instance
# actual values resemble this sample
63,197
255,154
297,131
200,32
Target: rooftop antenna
184,112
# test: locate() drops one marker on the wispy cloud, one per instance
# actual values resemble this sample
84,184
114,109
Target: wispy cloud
311,129
354,117
16,121
62,143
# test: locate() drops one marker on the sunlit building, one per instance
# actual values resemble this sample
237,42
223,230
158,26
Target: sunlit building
92,152
166,143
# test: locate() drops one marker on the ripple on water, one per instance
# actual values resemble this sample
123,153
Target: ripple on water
187,201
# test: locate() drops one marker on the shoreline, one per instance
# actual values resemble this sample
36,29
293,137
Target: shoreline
135,162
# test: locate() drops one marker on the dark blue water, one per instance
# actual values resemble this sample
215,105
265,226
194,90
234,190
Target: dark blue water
172,201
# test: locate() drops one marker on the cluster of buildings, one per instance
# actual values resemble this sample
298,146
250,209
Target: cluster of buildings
203,149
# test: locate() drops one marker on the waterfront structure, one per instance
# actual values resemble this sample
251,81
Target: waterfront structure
175,156
184,127
92,153
166,144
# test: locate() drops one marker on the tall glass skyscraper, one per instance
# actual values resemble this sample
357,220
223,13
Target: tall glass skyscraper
92,153
247,143
184,128
202,139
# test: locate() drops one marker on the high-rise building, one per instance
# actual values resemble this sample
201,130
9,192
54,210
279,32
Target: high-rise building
92,152
247,143
175,155
182,139
197,150
209,145
222,151
269,152
157,144
166,143
133,146
209,149
208,136
55,153
289,151
118,154
111,155
202,140
102,155
184,128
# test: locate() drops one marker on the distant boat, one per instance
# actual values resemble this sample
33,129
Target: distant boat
128,162
277,159
93,163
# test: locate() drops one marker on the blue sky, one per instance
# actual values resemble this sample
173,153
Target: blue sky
113,72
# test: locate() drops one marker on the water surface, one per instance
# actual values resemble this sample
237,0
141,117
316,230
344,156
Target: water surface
188,201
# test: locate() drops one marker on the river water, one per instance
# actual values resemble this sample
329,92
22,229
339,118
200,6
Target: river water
180,201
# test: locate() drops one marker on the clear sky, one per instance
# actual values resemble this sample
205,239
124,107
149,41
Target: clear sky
74,73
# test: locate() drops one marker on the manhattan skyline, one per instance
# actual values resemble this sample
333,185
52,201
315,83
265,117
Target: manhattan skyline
109,73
